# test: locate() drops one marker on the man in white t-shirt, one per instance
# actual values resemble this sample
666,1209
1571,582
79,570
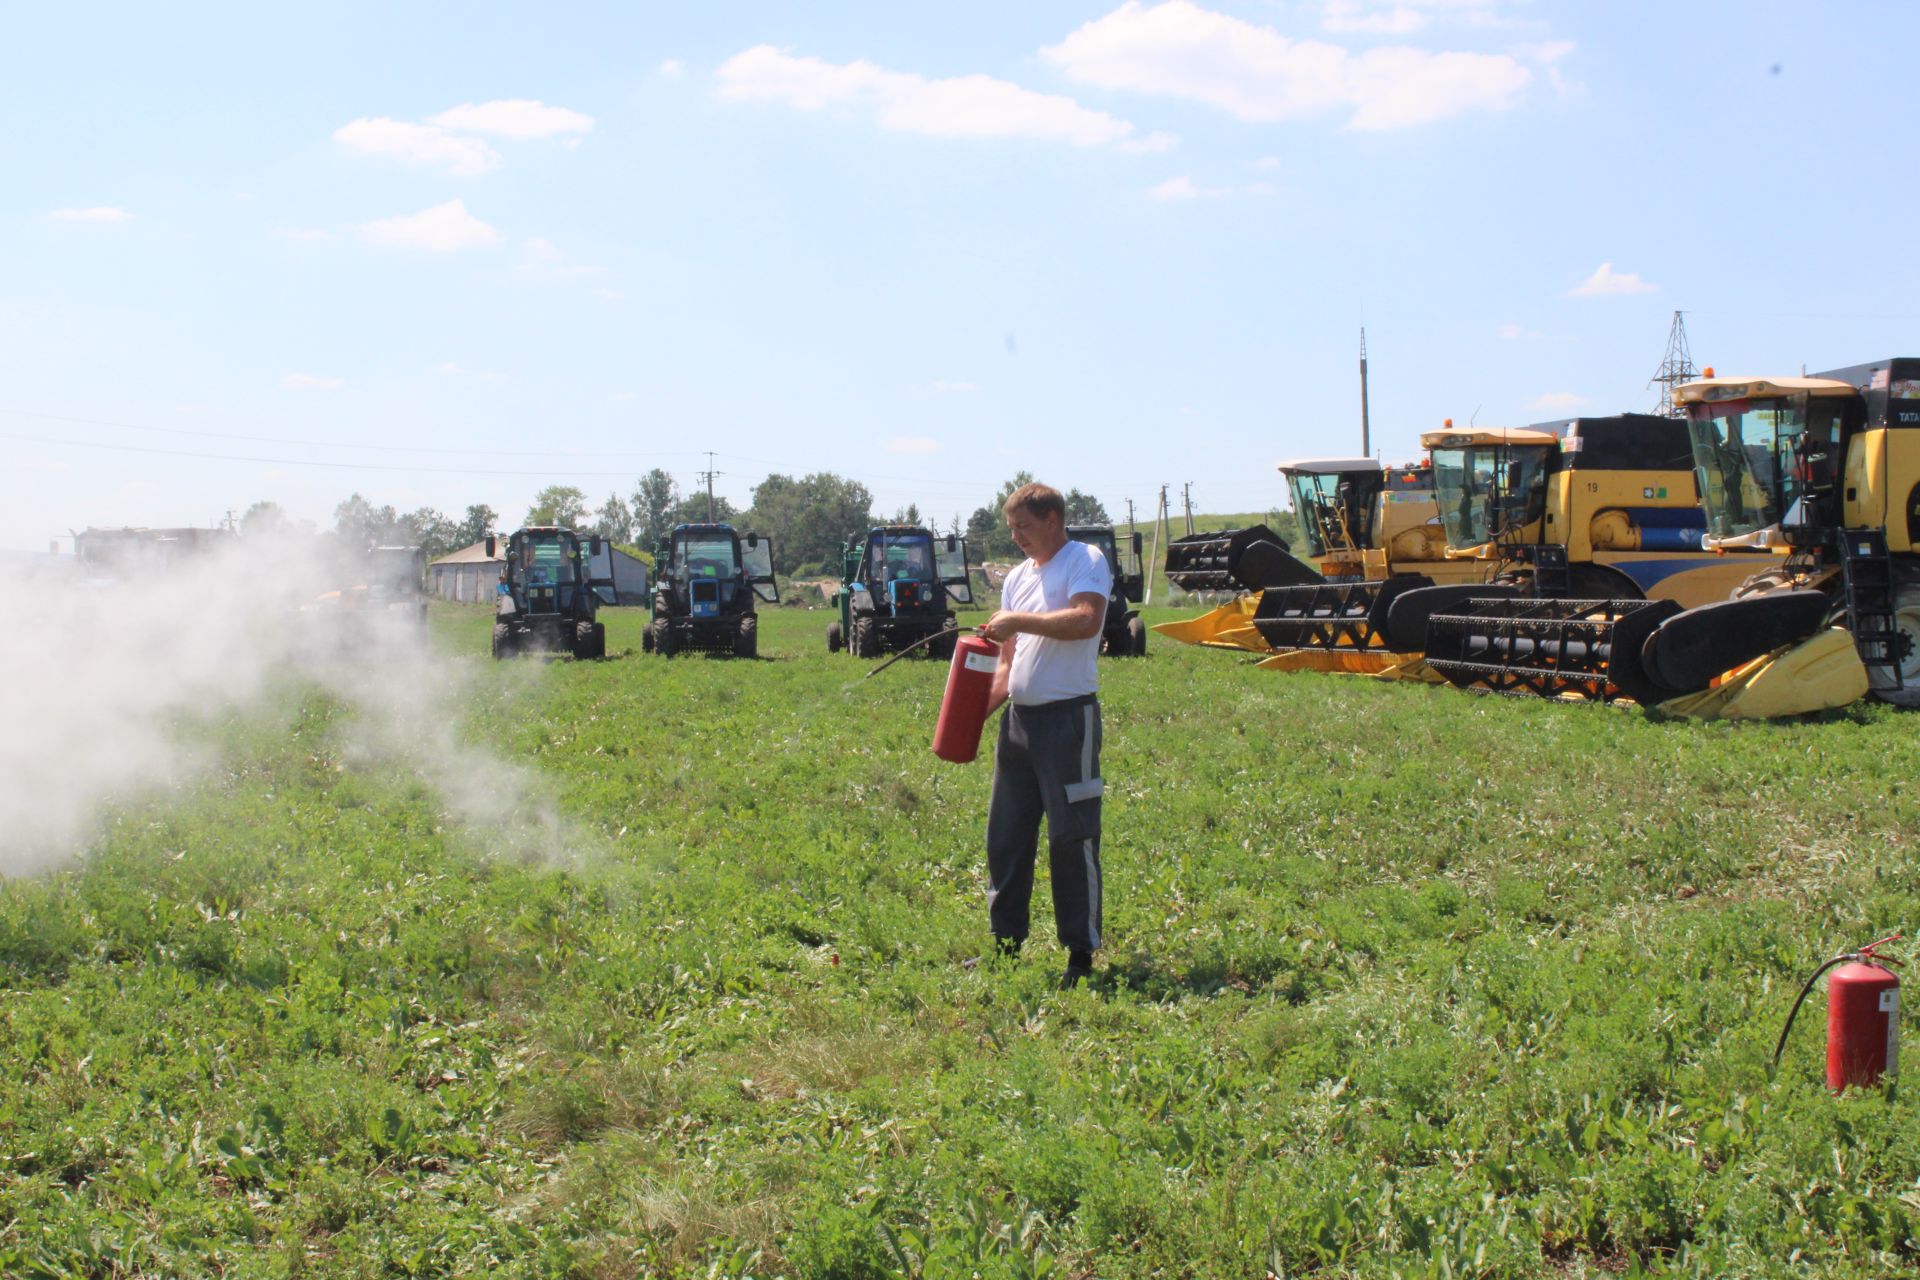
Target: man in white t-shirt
1046,762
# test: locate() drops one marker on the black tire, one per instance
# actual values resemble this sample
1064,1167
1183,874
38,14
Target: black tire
664,640
942,649
835,641
1599,582
1407,613
1906,621
746,641
583,640
1692,648
502,640
599,639
865,641
646,638
1137,635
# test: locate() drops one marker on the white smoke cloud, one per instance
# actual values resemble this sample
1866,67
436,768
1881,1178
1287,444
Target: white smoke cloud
120,690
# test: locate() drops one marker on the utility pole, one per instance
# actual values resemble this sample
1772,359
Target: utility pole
1676,367
708,476
1186,504
1366,428
1159,524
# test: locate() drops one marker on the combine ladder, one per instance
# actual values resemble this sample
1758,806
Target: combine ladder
1866,572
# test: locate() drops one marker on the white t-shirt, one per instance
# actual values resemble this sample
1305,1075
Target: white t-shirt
1047,670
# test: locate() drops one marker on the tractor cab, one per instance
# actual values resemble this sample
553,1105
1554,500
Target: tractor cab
547,597
900,585
1123,634
1491,483
707,578
1767,454
397,578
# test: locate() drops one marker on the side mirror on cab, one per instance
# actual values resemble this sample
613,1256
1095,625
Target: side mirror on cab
596,545
493,548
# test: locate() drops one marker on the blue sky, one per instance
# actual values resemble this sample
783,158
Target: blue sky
443,254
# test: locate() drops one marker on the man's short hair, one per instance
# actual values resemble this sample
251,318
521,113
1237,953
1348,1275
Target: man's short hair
1036,500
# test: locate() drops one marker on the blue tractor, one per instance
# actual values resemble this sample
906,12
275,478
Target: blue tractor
899,585
547,597
707,580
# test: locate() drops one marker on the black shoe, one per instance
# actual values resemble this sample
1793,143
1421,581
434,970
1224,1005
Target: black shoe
1079,969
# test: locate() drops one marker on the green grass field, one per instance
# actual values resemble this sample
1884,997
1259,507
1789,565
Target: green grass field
1400,981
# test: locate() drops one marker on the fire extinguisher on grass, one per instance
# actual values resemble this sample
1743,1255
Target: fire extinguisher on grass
1863,1016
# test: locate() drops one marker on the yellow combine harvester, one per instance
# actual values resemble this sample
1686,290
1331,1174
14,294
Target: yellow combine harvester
1371,532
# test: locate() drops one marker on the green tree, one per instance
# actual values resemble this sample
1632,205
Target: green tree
264,519
810,519
358,523
693,509
654,499
614,520
1084,508
432,532
987,526
558,504
481,520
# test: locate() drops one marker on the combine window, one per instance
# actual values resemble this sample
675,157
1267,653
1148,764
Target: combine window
1743,455
1489,493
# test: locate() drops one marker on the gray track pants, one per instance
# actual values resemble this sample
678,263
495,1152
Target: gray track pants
1047,763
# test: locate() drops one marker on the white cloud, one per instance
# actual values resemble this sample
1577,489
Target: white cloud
611,295
454,369
442,229
1268,163
1181,188
1514,332
1350,15
953,388
912,444
1254,73
421,145
310,382
305,235
1557,401
98,213
671,67
543,249
971,106
1605,281
513,118
1153,144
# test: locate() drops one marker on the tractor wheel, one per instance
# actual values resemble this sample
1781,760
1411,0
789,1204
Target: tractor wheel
942,649
664,641
835,641
1136,637
502,640
646,638
582,640
599,639
746,641
865,641
1906,624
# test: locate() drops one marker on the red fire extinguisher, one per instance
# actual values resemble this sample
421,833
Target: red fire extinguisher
963,711
1863,1016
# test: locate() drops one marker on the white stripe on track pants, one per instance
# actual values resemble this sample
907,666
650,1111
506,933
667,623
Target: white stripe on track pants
1046,763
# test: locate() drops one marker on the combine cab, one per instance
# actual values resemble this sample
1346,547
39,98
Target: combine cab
1592,536
899,585
1123,635
707,579
547,600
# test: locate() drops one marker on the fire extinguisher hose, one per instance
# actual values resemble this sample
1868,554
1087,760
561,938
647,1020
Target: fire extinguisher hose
1780,1047
924,640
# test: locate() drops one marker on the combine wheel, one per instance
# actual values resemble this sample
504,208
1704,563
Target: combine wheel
835,641
1690,649
1598,582
1906,621
502,640
1136,637
746,642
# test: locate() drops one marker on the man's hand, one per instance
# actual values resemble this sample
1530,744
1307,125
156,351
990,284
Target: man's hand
1001,627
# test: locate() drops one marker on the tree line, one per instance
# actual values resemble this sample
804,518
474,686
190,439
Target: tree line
809,518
